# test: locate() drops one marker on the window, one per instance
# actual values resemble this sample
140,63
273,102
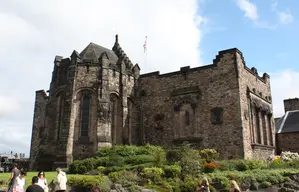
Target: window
270,129
85,115
60,116
187,118
258,126
217,115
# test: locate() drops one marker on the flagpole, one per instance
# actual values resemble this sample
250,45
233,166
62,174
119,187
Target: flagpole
145,51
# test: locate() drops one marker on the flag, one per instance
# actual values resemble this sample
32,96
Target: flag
144,45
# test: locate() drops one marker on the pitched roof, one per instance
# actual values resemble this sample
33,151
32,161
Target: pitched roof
93,52
288,123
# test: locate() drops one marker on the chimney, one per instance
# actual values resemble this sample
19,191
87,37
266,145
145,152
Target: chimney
291,104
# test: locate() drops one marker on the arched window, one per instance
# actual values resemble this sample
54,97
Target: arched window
85,114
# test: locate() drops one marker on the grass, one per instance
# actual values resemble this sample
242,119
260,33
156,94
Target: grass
49,176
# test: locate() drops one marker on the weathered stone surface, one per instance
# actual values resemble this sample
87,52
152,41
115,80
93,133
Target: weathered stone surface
288,142
291,104
104,101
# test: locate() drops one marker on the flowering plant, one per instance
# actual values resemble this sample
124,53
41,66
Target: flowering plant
289,156
210,167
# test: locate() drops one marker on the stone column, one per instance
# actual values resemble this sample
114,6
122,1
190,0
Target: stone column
104,124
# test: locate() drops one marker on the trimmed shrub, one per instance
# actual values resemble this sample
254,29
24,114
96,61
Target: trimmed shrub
153,173
82,166
172,171
209,154
174,155
87,182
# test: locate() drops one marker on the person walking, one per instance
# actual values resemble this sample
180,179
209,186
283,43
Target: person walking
15,172
20,182
61,180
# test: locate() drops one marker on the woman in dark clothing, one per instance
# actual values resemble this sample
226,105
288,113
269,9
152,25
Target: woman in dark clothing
203,186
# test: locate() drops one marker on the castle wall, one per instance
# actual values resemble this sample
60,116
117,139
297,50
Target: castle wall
291,104
38,129
197,96
287,142
85,84
96,101
255,93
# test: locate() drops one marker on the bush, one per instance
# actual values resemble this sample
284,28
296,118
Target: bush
139,159
87,182
172,171
153,173
115,160
82,166
174,155
122,176
209,154
241,165
190,162
265,184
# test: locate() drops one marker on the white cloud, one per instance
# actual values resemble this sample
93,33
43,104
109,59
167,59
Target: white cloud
34,31
8,105
285,17
284,85
251,12
249,9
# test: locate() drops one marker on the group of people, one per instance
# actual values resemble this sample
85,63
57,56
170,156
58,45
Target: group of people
39,182
204,186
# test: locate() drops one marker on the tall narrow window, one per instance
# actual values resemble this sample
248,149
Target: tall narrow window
60,117
187,118
258,126
265,136
270,130
85,115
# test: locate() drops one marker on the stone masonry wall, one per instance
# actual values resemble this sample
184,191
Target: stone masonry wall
218,87
288,142
85,83
254,87
38,128
291,104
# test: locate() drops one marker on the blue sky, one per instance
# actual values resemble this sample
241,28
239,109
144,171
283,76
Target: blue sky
267,42
180,33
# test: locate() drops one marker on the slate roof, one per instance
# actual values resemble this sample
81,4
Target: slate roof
288,123
93,52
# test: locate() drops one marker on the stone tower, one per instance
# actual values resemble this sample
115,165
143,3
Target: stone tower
90,104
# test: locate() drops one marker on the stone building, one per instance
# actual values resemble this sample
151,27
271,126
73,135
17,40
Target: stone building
98,98
287,127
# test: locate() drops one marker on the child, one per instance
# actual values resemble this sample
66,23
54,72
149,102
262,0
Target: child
19,183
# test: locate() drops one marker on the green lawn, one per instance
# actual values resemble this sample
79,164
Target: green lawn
49,175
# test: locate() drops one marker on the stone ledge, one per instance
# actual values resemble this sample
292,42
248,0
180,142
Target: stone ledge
192,140
261,146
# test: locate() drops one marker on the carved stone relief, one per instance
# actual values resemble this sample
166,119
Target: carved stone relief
104,111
